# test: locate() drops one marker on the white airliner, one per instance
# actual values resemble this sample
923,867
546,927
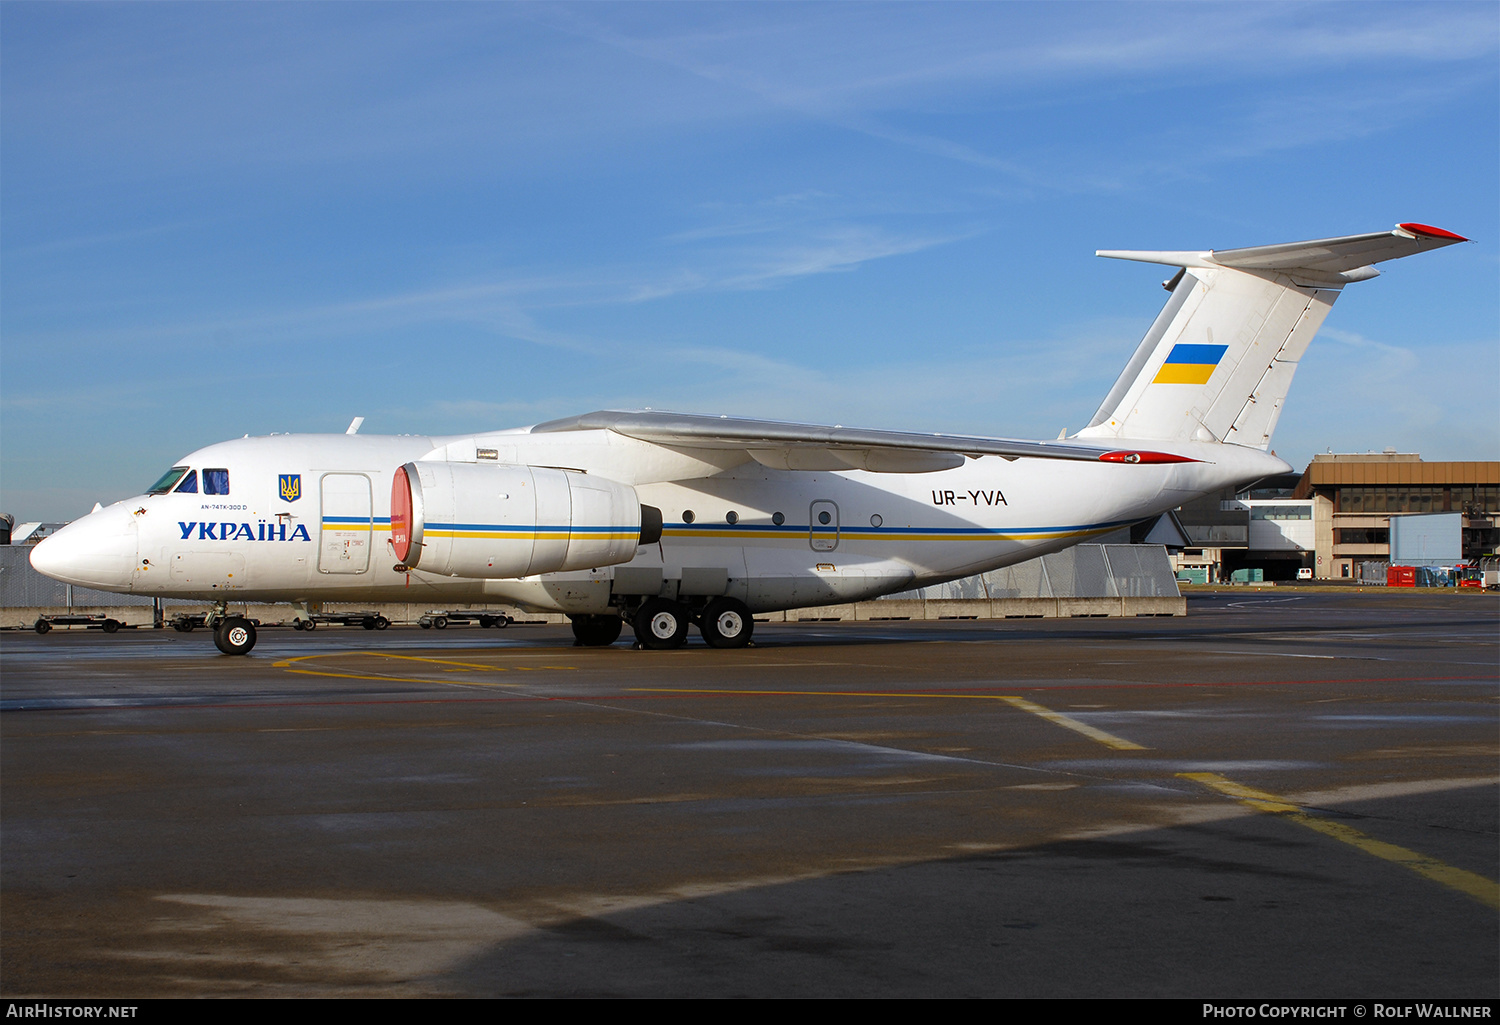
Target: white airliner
665,520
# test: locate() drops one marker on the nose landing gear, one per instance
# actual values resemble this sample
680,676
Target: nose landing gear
233,635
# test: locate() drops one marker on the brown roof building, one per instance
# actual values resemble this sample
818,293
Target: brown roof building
1354,496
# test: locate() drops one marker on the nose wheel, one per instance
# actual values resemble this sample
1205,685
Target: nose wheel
234,635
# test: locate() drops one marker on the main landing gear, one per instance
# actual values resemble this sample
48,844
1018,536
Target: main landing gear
661,625
726,623
596,631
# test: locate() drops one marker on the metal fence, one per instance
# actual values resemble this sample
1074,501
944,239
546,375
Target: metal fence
23,587
1083,571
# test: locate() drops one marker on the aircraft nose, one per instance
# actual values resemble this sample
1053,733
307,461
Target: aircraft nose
96,551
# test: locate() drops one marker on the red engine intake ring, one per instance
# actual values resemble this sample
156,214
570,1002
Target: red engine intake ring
401,519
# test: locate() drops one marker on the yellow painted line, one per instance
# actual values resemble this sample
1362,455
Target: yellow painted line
396,679
381,654
1486,891
1068,722
439,661
1057,718
449,667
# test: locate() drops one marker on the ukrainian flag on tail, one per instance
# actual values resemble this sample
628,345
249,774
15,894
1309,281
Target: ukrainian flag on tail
1189,364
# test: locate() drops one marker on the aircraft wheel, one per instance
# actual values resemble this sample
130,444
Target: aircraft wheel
42,626
726,623
597,631
234,636
111,625
661,624
368,622
440,622
381,622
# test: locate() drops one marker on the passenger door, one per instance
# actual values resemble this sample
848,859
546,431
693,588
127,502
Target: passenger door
347,523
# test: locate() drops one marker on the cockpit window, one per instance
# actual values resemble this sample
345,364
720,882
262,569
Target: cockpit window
189,485
168,479
216,482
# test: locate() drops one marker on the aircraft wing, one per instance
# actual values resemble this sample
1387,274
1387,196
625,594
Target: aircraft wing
794,446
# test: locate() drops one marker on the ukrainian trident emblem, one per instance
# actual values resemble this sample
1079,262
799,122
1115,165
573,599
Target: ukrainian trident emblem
291,486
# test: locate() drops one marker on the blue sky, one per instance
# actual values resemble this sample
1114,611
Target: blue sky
226,219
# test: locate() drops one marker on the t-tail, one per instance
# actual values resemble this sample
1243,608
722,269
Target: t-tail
1217,363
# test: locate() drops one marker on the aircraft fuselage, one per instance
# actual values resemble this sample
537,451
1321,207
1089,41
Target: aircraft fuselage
308,518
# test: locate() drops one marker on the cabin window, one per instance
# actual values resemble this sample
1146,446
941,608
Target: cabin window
168,480
189,485
778,518
216,482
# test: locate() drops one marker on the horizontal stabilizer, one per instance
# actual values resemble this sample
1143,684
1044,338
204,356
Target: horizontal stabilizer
1328,261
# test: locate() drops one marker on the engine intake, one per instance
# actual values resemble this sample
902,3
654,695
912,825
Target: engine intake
489,522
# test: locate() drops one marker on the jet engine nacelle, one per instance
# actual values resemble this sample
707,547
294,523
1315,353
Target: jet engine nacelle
493,521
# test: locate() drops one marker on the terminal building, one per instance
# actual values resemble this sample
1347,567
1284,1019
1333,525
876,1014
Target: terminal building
1336,516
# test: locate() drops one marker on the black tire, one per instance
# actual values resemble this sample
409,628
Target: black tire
381,622
501,622
597,631
440,622
234,636
368,622
661,625
726,623
42,626
425,623
110,626
188,626
486,622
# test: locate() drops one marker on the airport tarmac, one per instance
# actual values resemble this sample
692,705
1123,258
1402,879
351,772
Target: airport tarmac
1278,796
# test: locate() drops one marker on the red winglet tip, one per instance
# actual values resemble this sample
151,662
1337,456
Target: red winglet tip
1430,231
1144,457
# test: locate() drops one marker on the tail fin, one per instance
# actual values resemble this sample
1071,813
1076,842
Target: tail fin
1217,363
